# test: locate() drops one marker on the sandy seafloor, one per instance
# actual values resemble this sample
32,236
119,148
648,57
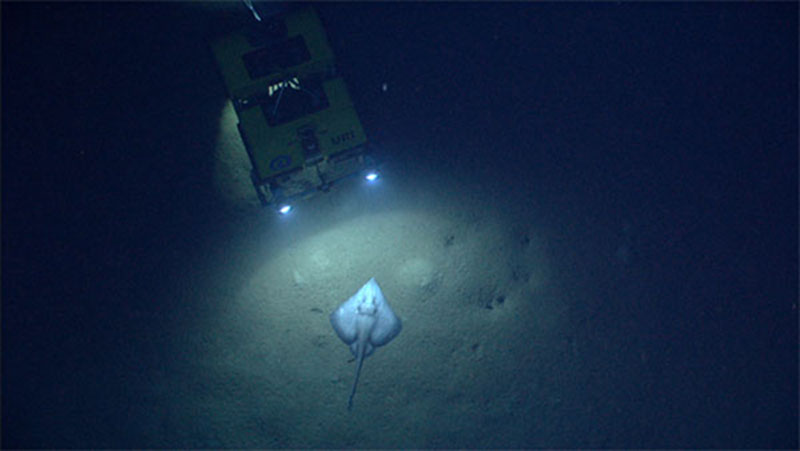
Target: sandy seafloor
586,222
474,287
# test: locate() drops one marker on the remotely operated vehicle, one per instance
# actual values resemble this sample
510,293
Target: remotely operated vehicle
295,115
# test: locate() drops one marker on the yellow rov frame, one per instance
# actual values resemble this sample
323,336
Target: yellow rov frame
296,117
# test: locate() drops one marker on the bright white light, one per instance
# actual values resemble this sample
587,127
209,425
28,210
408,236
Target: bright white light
371,176
285,209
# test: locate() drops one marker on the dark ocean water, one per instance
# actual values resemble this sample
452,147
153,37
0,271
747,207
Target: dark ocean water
662,135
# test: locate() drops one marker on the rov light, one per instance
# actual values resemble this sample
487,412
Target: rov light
285,209
371,176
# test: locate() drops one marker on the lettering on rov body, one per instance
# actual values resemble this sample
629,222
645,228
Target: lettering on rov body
347,136
293,83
